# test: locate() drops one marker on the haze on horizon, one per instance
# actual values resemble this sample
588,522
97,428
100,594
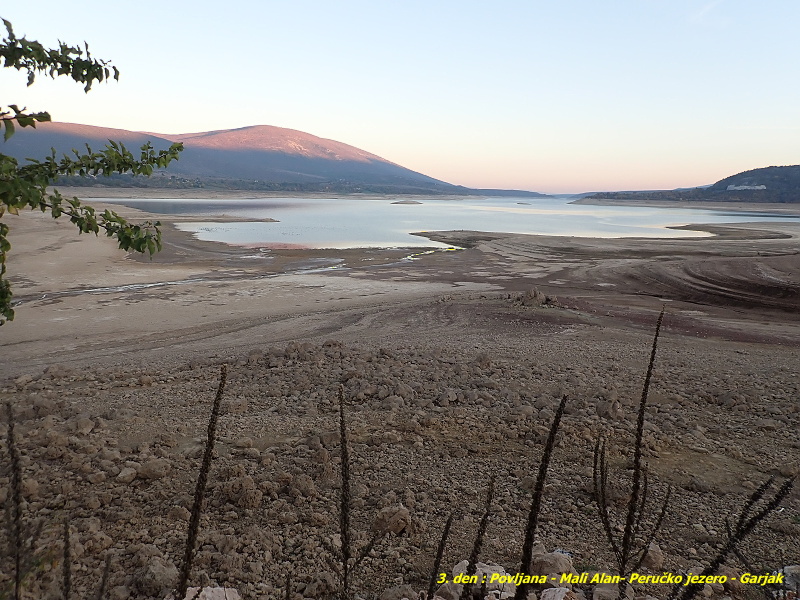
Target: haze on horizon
551,97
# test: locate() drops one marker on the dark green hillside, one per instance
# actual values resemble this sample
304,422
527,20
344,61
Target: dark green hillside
768,184
777,180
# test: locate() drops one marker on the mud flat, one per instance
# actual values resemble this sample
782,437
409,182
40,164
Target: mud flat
453,373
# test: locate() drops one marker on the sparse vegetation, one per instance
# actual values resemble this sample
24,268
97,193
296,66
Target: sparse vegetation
536,501
477,546
437,563
629,549
349,559
21,536
200,489
750,516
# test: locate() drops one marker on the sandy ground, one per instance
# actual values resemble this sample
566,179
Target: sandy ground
80,298
727,375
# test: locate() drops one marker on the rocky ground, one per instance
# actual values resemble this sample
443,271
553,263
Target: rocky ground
118,451
452,368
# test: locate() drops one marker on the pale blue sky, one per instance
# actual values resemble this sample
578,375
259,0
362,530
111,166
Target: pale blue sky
553,96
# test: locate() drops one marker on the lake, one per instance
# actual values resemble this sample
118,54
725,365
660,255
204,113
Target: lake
383,223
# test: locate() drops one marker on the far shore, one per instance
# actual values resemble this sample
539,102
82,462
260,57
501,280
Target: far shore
780,208
206,194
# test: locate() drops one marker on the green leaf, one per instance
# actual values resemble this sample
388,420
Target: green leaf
9,130
27,185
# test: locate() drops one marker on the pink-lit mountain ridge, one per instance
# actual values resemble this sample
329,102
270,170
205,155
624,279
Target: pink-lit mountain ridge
259,157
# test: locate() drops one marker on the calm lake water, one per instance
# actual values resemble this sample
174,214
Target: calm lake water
381,223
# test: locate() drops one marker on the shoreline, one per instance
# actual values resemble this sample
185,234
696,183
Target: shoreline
205,194
777,208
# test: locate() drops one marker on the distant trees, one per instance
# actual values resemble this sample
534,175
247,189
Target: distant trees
25,186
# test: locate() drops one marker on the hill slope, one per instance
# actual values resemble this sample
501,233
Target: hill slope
259,157
767,184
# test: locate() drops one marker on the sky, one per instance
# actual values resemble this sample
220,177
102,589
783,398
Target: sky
552,96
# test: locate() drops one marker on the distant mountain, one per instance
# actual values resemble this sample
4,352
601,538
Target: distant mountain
768,184
260,157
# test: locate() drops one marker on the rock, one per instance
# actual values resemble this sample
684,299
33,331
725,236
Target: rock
95,478
236,406
250,499
558,593
768,425
83,426
653,558
395,519
733,587
322,586
242,492
447,397
404,390
610,410
210,593
792,573
30,489
483,361
610,591
329,438
698,484
526,410
789,470
179,513
126,475
23,380
400,592
44,407
553,562
449,591
304,486
487,570
155,468
157,577
532,297
251,453
120,592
